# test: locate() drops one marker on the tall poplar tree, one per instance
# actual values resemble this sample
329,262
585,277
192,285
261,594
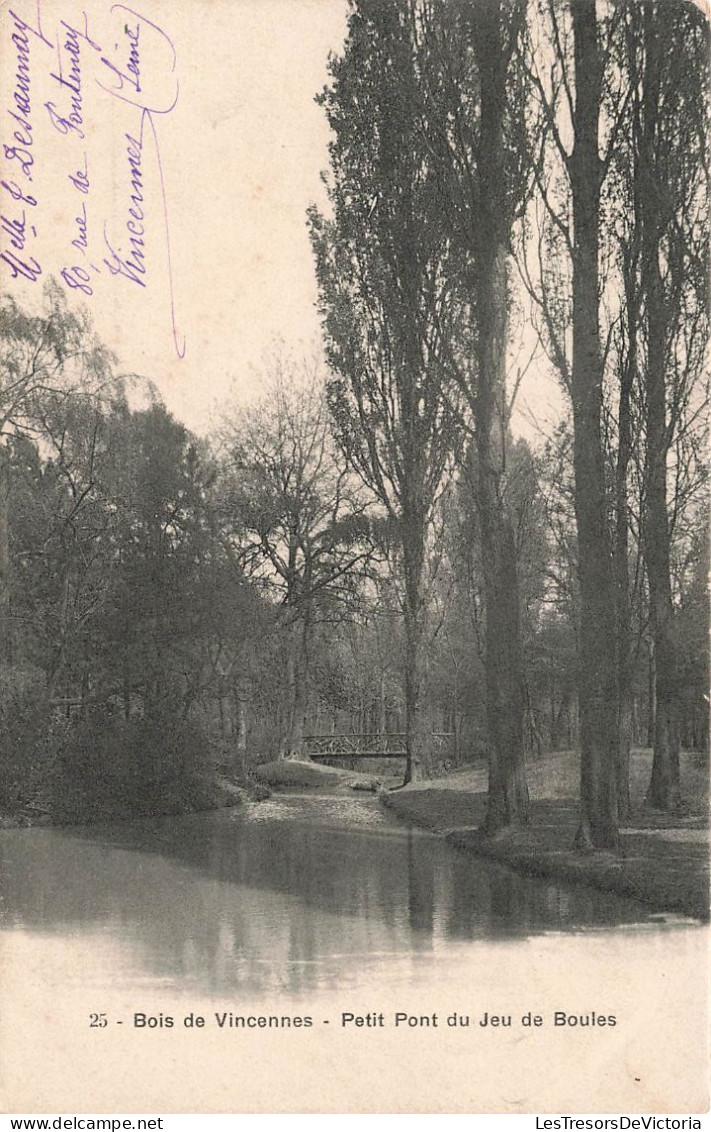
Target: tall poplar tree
382,273
668,61
472,122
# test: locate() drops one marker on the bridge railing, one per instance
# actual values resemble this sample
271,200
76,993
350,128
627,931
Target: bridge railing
368,745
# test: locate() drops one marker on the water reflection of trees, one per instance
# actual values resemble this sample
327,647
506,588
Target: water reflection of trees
229,904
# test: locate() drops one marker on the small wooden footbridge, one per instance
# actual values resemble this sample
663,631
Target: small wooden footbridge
369,745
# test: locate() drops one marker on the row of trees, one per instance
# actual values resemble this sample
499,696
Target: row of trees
118,597
572,135
173,605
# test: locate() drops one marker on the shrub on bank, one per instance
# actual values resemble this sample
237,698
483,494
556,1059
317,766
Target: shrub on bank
144,764
76,769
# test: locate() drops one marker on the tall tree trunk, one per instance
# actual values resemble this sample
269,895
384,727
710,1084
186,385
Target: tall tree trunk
599,715
507,801
417,738
242,706
664,790
629,380
288,700
297,687
624,690
382,715
651,694
299,708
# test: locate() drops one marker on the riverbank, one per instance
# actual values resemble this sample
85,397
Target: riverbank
64,806
67,808
663,859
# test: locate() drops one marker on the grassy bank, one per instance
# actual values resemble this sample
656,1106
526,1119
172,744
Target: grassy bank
663,859
297,774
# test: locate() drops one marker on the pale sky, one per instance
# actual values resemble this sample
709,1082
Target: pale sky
241,155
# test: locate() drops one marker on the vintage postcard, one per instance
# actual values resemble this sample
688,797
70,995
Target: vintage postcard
353,557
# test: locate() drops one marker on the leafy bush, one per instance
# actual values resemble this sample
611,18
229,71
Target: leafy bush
149,763
101,764
26,758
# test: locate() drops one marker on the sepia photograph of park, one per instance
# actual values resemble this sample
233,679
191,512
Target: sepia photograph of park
354,556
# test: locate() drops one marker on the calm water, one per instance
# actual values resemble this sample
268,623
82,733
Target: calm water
290,895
